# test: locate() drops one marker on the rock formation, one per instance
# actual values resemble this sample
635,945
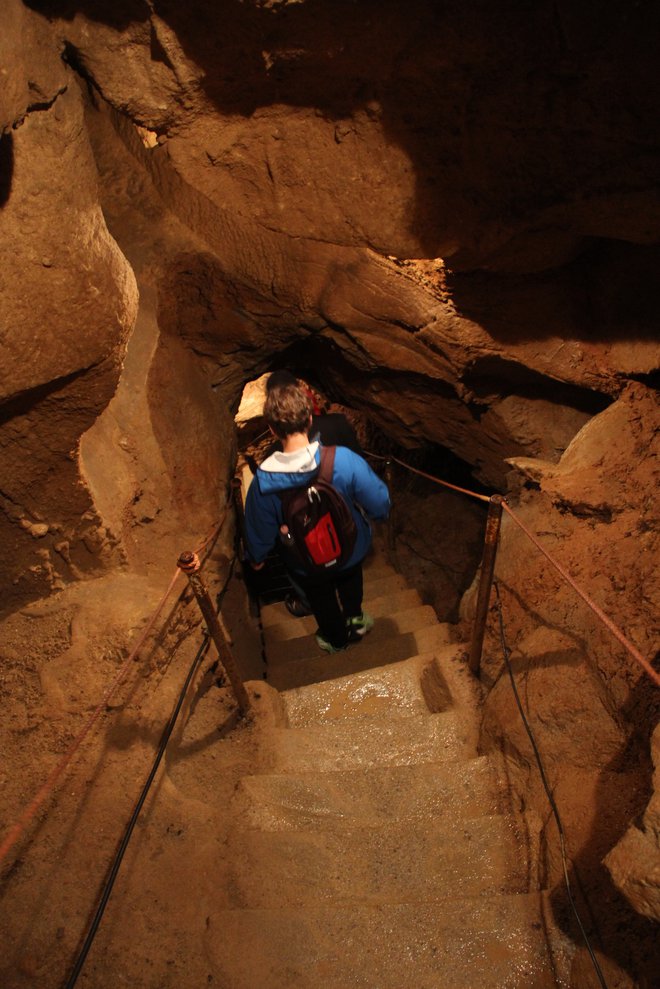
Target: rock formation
451,210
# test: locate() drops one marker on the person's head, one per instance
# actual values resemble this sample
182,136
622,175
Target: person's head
287,410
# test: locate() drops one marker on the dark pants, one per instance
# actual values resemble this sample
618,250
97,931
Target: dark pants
333,601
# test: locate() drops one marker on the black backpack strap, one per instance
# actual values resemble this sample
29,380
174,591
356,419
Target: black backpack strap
327,464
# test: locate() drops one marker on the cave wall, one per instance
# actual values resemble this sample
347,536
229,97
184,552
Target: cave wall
68,302
319,158
453,208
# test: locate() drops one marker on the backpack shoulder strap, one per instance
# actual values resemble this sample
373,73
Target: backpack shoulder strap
327,464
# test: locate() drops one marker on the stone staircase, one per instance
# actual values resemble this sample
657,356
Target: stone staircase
379,850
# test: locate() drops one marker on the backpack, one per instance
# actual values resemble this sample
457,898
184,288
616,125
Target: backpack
321,529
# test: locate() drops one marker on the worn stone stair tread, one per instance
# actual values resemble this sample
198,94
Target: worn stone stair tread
407,624
289,627
392,863
360,656
371,742
431,682
383,691
464,942
375,586
369,797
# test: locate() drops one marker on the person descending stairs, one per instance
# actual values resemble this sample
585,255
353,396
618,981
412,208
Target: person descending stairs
379,850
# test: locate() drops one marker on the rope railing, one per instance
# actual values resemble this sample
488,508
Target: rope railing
614,630
506,652
600,614
22,823
496,505
429,477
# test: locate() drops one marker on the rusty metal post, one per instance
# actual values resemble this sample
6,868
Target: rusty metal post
485,581
389,474
189,563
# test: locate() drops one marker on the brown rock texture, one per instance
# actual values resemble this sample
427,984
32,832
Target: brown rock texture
68,301
448,214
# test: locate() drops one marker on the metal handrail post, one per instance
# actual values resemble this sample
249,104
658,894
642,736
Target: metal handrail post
493,521
237,486
189,563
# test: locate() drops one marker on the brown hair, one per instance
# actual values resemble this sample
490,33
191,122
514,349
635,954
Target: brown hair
287,410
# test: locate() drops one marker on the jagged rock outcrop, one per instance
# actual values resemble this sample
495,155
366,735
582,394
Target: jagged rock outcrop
312,154
68,299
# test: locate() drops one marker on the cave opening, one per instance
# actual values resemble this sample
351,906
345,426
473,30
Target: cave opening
442,572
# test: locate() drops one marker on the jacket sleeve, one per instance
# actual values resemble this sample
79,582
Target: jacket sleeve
368,489
261,523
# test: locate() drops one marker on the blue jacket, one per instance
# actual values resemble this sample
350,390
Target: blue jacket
351,475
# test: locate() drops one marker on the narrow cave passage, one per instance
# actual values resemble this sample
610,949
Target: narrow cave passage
441,566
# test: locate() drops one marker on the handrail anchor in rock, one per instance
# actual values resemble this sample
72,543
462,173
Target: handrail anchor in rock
493,521
189,564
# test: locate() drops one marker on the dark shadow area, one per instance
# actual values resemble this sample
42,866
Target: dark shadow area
611,795
622,794
610,292
117,14
497,376
651,380
439,462
321,362
6,166
23,403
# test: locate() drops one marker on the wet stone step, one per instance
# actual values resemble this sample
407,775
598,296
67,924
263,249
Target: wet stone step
387,691
371,797
292,628
371,742
463,943
393,863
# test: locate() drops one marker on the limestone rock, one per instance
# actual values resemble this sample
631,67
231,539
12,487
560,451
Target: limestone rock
567,715
32,73
68,302
607,467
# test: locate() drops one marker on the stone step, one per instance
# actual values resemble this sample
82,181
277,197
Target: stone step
462,943
371,652
371,742
383,691
403,623
369,797
292,628
432,682
393,863
376,584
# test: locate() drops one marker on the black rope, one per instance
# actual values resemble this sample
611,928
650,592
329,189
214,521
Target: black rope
110,881
551,799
